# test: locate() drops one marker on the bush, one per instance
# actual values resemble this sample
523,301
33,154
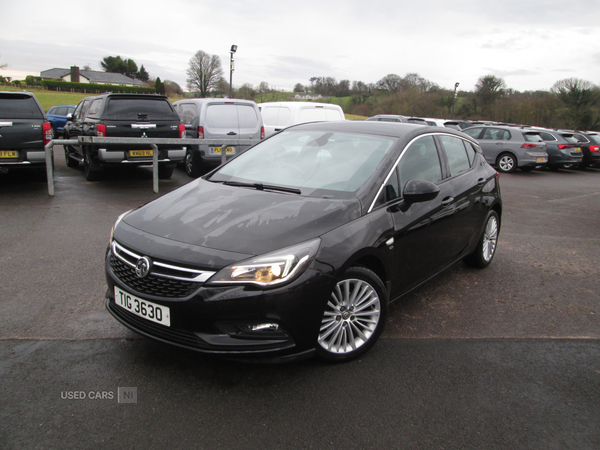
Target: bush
55,85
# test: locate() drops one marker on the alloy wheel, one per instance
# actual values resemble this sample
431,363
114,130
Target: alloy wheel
351,316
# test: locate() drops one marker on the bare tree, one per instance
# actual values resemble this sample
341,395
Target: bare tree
204,73
391,83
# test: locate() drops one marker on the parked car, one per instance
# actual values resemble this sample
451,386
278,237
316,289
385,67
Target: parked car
388,118
217,118
279,115
297,245
509,148
24,131
57,116
563,148
590,146
124,115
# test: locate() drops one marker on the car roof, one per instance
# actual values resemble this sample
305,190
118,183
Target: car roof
391,129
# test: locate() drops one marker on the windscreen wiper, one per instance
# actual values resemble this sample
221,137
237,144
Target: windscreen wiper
262,187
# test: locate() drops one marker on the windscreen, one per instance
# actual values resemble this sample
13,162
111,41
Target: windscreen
15,106
315,162
127,108
532,137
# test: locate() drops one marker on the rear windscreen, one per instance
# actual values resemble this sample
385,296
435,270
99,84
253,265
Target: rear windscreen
19,107
139,108
533,137
231,116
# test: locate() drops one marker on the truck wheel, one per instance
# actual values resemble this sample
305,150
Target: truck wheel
91,172
165,172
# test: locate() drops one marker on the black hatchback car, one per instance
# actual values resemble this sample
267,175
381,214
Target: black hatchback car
297,245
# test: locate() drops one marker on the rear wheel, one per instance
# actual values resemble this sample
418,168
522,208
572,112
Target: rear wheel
486,246
354,316
507,163
92,173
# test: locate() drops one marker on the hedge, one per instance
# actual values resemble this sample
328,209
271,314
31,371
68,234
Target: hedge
94,88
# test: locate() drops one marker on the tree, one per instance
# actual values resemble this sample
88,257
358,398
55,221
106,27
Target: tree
159,86
204,73
116,64
172,88
579,96
247,92
298,87
142,74
391,83
488,89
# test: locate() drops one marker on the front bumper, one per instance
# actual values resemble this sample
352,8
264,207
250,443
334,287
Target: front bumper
219,319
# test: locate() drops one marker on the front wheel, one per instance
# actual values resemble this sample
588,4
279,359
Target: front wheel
191,167
486,246
507,163
354,316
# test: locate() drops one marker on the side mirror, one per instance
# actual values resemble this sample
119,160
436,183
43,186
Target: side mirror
417,191
70,116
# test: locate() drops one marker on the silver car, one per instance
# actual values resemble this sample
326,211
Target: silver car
509,148
217,118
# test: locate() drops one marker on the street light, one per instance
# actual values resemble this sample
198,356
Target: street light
231,52
454,98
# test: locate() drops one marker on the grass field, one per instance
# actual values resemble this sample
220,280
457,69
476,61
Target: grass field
48,99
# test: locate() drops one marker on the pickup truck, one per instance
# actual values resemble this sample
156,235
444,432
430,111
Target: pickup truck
24,131
124,115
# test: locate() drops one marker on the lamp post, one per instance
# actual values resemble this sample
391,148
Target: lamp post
454,98
231,52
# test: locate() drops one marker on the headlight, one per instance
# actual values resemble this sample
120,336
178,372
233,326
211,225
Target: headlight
270,269
112,230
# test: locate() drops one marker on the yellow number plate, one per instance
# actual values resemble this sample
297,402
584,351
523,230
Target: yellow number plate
218,150
9,154
577,149
140,153
541,159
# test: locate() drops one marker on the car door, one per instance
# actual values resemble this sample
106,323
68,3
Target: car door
467,179
75,125
422,231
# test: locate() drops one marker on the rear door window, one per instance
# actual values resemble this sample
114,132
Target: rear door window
276,116
456,154
247,116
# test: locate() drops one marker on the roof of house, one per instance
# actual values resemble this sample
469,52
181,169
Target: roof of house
93,76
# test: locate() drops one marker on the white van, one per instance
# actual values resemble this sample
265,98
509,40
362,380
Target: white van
279,115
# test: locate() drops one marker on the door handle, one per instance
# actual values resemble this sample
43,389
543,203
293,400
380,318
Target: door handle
447,201
232,133
481,182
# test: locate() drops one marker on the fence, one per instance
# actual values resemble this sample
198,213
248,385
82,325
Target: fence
153,142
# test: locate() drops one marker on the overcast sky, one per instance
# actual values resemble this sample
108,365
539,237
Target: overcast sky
530,43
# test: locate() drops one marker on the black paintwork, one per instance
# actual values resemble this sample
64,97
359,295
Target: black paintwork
208,226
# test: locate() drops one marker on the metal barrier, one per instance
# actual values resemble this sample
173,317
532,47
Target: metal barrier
153,142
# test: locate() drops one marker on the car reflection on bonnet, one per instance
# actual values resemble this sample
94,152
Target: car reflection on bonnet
297,246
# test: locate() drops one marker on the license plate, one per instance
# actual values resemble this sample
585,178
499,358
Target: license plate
9,154
143,308
541,159
577,149
217,150
140,153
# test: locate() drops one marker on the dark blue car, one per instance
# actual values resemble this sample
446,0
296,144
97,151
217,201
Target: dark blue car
57,116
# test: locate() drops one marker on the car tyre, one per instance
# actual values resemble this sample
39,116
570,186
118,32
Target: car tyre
91,172
71,162
165,172
191,166
354,316
507,163
488,241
